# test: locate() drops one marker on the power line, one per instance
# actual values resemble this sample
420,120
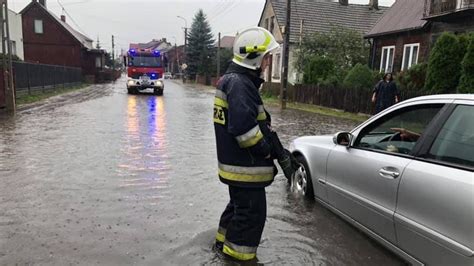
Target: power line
70,17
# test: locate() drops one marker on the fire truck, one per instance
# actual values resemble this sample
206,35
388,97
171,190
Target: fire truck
144,70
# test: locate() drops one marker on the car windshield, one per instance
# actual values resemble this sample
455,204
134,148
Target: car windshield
144,61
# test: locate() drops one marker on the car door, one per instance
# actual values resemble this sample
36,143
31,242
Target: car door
363,180
434,218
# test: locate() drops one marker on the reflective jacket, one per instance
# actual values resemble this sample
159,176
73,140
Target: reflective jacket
241,123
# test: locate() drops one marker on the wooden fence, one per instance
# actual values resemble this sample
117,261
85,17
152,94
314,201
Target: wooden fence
349,100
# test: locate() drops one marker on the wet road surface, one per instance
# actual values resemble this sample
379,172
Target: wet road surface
101,177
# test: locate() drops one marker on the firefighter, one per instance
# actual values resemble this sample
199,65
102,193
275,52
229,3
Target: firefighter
245,147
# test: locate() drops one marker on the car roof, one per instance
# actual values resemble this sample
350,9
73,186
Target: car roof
442,97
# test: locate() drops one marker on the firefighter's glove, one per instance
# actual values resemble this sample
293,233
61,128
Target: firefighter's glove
288,164
294,162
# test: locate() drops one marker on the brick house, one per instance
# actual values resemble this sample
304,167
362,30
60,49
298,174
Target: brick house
406,33
309,17
48,39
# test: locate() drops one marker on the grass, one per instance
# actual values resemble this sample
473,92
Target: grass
271,100
32,98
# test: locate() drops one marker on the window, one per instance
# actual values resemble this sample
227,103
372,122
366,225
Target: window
276,68
388,53
455,142
38,26
98,62
13,45
272,24
399,131
410,55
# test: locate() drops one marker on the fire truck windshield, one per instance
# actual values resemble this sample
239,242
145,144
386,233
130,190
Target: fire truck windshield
144,61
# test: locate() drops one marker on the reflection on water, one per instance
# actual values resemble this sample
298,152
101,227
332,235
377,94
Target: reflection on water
144,164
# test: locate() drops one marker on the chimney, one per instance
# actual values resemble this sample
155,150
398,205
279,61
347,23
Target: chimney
344,2
43,3
63,18
374,4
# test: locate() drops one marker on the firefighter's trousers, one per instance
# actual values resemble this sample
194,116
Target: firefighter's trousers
242,222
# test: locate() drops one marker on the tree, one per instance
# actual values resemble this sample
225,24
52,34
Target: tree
318,70
466,83
344,46
200,52
444,66
225,60
359,77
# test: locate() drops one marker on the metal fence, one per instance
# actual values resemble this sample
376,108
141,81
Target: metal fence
31,78
347,99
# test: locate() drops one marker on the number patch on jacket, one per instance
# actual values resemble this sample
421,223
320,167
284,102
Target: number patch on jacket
219,115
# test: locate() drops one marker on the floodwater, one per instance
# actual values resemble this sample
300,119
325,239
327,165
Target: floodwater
101,177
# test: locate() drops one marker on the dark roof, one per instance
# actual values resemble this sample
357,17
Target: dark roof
404,15
324,16
161,45
227,42
83,39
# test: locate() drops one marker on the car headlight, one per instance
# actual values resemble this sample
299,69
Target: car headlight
130,83
159,83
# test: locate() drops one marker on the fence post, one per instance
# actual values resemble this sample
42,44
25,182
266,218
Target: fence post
42,78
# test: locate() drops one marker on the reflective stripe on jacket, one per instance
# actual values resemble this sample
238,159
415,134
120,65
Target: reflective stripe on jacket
240,123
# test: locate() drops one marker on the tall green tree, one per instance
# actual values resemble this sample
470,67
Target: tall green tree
200,50
466,83
444,66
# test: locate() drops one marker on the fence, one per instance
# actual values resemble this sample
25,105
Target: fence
30,78
349,100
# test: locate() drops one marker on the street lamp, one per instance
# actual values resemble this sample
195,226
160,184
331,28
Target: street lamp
185,21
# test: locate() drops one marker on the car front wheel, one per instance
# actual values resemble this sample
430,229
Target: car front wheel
301,182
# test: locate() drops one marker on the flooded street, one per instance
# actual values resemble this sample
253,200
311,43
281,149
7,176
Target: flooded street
101,177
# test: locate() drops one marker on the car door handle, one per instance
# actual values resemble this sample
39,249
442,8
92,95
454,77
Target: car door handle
389,173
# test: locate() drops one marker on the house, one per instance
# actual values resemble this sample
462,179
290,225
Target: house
227,42
176,58
48,39
16,34
397,43
309,17
162,45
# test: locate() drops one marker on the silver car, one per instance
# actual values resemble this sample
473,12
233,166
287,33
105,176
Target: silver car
404,177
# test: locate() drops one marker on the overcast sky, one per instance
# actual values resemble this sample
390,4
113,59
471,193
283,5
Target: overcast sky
143,20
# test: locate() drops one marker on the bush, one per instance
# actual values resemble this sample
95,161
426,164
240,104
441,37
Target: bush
377,76
413,78
14,57
466,83
359,77
346,47
318,69
444,67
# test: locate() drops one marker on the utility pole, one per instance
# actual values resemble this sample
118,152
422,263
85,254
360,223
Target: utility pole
286,50
218,56
7,58
113,54
176,57
185,43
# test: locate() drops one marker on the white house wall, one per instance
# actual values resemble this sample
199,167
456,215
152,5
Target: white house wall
16,33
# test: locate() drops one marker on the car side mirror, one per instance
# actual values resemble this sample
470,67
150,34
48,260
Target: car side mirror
343,138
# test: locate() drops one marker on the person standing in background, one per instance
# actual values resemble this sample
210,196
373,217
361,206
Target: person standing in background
385,93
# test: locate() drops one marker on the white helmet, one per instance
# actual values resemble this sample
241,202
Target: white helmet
251,45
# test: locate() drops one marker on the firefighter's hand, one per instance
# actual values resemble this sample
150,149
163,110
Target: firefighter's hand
288,164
